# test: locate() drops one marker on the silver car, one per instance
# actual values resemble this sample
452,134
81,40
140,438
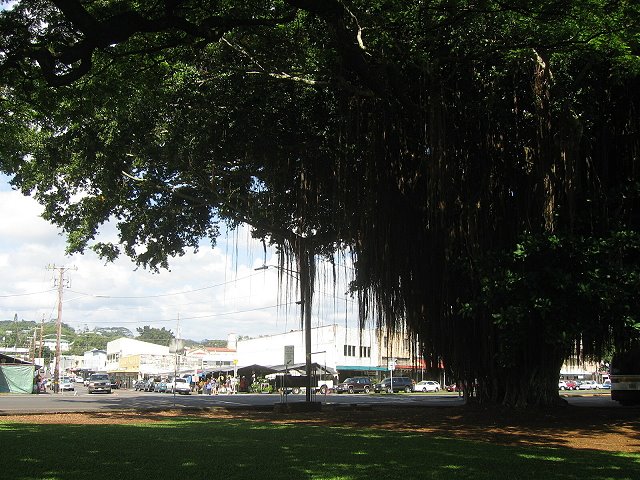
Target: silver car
66,383
99,382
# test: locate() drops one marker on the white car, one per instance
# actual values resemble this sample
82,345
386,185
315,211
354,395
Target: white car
66,383
180,385
588,385
426,386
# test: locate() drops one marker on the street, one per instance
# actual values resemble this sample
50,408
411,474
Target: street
81,401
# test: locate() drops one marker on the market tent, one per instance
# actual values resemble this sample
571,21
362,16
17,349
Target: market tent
16,376
222,369
316,369
258,370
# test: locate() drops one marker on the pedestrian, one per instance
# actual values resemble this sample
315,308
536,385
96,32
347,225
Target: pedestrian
208,387
214,386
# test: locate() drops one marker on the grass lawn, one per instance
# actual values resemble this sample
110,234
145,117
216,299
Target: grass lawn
205,448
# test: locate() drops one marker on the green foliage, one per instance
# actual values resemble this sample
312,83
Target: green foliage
576,291
79,341
261,385
159,336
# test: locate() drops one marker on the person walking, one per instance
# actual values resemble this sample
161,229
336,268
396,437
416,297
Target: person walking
214,386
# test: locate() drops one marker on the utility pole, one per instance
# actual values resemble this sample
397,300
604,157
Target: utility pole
15,345
41,330
56,372
32,346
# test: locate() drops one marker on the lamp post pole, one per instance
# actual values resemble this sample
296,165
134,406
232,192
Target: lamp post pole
307,344
305,305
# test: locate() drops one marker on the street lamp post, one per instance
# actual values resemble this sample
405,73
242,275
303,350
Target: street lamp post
307,346
305,305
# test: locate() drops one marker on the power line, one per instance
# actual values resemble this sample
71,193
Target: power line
26,294
133,297
196,317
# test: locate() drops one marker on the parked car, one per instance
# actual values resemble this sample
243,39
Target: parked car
149,385
426,386
99,382
399,384
168,386
588,385
67,383
139,385
181,385
453,388
160,386
606,384
355,385
567,385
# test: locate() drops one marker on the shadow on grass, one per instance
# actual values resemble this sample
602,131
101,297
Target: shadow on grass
240,449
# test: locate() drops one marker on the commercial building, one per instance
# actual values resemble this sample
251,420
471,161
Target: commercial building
129,360
348,351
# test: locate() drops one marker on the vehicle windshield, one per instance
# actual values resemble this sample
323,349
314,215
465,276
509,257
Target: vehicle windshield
99,377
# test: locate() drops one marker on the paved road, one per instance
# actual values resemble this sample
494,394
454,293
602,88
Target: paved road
81,401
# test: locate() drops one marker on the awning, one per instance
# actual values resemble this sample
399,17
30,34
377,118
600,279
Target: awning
248,370
361,368
259,370
302,367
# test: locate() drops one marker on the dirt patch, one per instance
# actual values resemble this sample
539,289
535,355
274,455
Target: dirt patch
584,428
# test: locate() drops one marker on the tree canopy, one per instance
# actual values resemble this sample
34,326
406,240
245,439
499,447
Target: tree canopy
477,159
159,336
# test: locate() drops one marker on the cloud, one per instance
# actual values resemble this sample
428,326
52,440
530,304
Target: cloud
207,294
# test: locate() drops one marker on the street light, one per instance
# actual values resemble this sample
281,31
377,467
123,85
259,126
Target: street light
306,309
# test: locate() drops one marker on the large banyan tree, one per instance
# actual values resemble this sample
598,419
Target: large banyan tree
477,159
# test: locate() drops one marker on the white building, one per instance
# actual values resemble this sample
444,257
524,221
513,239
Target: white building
349,351
51,341
129,359
95,360
212,358
68,363
123,347
575,368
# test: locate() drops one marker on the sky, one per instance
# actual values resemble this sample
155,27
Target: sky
205,295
